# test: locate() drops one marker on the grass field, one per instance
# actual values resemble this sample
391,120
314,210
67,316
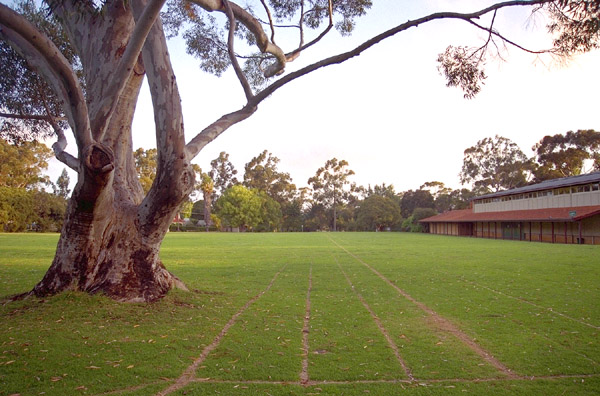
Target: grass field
315,313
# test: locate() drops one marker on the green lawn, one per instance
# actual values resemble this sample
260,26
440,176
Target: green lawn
315,313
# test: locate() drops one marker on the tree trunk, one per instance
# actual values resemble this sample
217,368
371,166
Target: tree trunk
108,255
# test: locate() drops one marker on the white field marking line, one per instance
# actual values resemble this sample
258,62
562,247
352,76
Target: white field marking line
189,373
532,304
445,325
364,382
397,381
380,325
304,379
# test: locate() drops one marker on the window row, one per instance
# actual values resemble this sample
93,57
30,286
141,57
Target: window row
544,193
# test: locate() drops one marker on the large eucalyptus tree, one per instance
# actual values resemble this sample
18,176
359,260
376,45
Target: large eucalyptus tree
113,231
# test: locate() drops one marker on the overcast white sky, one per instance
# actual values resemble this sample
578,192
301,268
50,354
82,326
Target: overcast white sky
388,112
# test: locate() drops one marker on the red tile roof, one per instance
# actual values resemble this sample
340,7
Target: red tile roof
550,214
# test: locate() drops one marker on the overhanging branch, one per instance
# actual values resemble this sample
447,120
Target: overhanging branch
255,27
214,130
230,41
42,55
336,59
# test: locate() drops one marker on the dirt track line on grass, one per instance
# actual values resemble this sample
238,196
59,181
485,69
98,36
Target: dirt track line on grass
380,325
441,322
520,299
399,381
304,379
188,374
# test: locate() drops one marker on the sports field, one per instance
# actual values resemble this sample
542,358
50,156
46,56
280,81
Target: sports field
315,313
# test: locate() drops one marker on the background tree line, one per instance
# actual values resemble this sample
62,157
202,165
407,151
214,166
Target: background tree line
266,199
25,203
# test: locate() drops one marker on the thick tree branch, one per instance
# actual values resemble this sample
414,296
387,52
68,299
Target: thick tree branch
59,149
163,88
43,55
215,129
174,176
128,60
255,27
61,143
230,41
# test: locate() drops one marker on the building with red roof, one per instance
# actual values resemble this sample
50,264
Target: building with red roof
565,210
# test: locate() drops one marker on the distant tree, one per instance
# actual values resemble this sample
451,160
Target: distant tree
292,215
317,217
240,207
454,199
61,187
222,173
271,215
377,212
495,164
207,187
415,199
197,211
186,209
331,186
22,164
262,174
435,188
16,209
411,224
445,198
48,211
145,165
567,155
382,190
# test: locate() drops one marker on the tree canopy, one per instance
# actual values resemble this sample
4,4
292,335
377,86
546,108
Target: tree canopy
567,155
22,164
495,164
331,186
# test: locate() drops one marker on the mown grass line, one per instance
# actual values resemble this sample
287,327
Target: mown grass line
190,372
532,341
440,322
345,343
267,341
304,376
430,352
380,325
525,301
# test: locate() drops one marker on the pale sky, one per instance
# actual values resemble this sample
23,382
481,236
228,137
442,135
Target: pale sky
388,111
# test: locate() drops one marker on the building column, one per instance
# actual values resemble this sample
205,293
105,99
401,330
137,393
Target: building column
520,231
